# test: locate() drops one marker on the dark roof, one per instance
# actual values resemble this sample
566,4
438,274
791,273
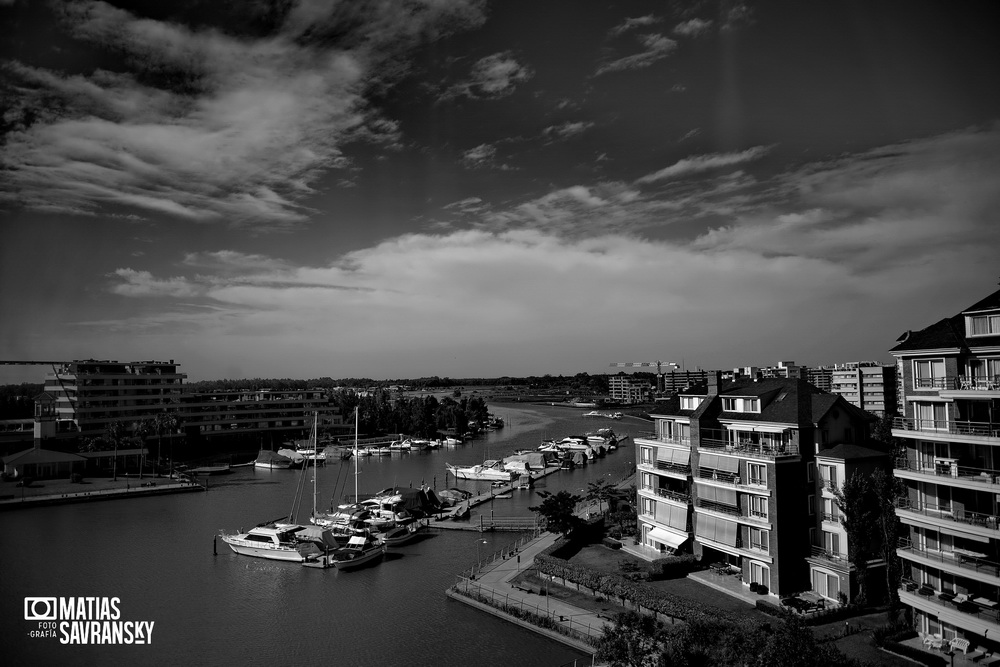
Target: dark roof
779,400
41,456
850,451
989,303
943,334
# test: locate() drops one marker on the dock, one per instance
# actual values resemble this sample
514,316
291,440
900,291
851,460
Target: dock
147,489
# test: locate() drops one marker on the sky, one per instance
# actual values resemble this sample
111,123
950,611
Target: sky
385,189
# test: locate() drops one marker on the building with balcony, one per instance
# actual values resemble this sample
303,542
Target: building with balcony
627,389
950,374
868,385
728,474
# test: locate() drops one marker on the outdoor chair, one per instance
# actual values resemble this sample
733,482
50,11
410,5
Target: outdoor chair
958,644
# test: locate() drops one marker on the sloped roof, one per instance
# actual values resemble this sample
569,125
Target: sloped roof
33,455
849,451
942,334
988,303
779,400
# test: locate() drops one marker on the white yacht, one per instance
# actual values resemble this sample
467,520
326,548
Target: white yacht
490,470
274,542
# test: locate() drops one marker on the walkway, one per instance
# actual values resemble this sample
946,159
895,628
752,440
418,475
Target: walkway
494,583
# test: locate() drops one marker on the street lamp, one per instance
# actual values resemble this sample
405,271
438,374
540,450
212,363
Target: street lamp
479,557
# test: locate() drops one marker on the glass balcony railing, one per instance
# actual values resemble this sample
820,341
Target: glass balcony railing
953,469
822,552
960,383
949,512
674,495
966,559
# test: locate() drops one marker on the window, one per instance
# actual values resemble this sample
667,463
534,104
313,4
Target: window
983,325
830,512
757,474
648,507
831,543
811,500
828,474
928,373
760,574
827,585
690,402
647,480
758,507
930,416
731,404
810,471
675,431
646,455
758,539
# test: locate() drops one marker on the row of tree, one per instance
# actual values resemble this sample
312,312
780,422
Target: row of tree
422,416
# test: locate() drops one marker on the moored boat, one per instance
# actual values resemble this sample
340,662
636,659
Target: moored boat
360,549
274,542
488,470
269,460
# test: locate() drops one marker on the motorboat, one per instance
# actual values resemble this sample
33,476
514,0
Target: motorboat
273,541
488,470
399,446
399,534
360,549
269,460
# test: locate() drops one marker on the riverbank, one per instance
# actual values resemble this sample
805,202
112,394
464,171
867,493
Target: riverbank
57,491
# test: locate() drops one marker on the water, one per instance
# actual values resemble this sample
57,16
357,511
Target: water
156,555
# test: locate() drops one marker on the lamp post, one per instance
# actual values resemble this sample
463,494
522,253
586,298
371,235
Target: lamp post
479,556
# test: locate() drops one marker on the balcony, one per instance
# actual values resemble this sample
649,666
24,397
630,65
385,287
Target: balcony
948,513
673,495
666,466
826,554
829,517
653,435
765,450
971,612
721,508
945,427
966,562
951,471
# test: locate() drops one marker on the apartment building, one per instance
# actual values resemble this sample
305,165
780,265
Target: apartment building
728,474
627,389
950,374
868,385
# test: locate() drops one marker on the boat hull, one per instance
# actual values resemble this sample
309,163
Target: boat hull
270,553
357,560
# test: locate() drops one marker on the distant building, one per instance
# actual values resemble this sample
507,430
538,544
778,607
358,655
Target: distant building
950,374
628,389
820,377
868,385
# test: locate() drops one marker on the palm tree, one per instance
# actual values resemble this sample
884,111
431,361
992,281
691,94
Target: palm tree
115,434
163,422
142,430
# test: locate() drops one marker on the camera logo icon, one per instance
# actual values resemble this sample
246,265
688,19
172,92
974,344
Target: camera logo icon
40,609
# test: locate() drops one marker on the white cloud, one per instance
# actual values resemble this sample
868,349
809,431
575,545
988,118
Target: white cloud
492,77
655,48
142,283
567,129
700,163
692,27
633,23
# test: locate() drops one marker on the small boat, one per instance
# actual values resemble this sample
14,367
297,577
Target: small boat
380,451
269,460
452,442
399,446
593,413
461,510
489,470
360,549
210,470
399,534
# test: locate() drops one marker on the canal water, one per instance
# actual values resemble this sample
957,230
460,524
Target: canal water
211,606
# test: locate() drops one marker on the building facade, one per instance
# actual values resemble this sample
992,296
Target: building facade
950,374
627,389
868,385
728,474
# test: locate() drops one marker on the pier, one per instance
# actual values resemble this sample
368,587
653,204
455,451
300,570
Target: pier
130,491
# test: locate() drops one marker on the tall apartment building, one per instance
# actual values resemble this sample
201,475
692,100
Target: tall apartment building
868,385
729,474
628,389
951,469
821,377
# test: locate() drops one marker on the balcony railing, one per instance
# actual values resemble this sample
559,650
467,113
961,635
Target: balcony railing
719,507
668,467
960,383
822,552
719,476
953,470
952,427
674,495
948,512
831,518
968,606
963,558
767,450
675,439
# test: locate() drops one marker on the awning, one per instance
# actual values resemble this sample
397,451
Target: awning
758,427
716,494
716,529
673,455
669,538
716,462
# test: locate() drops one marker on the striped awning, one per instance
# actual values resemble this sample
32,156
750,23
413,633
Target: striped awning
717,494
674,516
716,529
673,455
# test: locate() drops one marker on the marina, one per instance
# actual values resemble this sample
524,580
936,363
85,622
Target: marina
154,567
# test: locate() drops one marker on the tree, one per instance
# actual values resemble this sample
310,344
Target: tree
635,640
858,508
142,430
601,491
115,434
163,422
886,488
559,511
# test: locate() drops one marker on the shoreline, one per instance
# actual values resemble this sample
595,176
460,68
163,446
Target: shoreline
59,492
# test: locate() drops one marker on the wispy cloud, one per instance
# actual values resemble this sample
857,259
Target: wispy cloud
692,27
700,163
491,77
633,23
566,130
655,48
483,156
205,125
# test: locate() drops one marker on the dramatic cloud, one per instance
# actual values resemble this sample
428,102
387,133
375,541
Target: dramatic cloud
208,126
655,48
492,77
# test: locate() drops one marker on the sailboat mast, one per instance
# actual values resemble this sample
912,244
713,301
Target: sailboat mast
355,453
315,458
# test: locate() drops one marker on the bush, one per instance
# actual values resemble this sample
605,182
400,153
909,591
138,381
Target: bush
76,478
916,654
675,567
772,609
611,543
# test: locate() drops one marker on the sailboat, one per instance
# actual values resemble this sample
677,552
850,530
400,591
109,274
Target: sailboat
361,548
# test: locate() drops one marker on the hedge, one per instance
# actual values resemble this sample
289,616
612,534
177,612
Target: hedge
620,588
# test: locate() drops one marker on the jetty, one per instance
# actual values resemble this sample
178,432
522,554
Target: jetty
58,496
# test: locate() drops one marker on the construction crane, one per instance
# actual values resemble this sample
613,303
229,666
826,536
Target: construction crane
645,364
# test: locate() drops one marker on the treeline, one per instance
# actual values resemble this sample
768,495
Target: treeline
421,416
17,401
